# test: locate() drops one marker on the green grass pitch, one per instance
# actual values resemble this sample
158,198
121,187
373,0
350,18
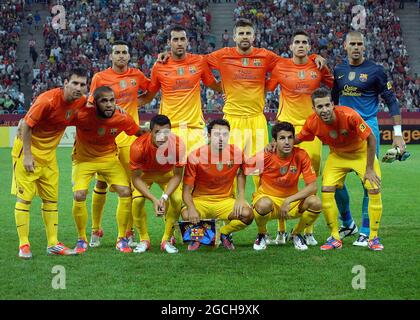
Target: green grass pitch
278,273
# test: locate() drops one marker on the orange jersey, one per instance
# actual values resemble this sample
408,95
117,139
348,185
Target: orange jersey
213,174
48,117
126,86
180,83
297,82
145,156
95,137
280,176
348,133
243,78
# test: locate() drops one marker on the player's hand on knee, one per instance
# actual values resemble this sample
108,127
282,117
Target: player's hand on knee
373,178
238,208
284,209
28,162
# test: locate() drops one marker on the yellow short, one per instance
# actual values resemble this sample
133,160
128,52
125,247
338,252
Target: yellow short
112,171
160,179
314,150
248,133
214,208
193,138
44,181
339,164
124,156
294,211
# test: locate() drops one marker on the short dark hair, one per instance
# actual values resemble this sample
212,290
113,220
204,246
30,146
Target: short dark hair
176,28
220,122
77,71
283,125
120,43
299,33
160,120
320,93
101,90
243,23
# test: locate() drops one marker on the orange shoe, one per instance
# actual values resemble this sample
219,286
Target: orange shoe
60,250
122,245
25,252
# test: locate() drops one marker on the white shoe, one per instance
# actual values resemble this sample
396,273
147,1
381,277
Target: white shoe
310,240
299,242
348,231
261,242
142,246
131,237
168,247
95,238
362,241
281,237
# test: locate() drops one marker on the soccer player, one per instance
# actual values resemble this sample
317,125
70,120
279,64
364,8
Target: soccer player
35,167
158,157
126,83
179,80
352,148
95,152
298,77
209,181
358,84
278,194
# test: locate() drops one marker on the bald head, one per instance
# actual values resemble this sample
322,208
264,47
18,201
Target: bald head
355,47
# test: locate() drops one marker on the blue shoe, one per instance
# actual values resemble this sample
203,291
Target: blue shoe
81,246
227,241
375,245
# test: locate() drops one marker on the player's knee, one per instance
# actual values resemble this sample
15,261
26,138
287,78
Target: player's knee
124,192
374,191
101,184
328,189
314,203
247,215
263,206
23,201
80,195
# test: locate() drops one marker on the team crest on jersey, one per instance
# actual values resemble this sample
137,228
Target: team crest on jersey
114,131
219,166
301,75
352,75
101,131
363,77
133,82
389,85
245,62
69,113
257,62
283,170
230,164
314,75
344,132
181,71
123,84
192,69
362,127
293,169
333,134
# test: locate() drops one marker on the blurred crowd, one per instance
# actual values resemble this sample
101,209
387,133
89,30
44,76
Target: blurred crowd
327,22
12,100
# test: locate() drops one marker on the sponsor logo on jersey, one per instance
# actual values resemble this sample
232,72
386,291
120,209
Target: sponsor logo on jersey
69,113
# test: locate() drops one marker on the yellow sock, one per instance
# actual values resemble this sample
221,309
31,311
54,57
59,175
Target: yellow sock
329,207
307,220
22,222
123,210
140,217
375,214
256,180
50,217
233,226
80,216
98,204
309,229
281,225
130,222
171,218
261,221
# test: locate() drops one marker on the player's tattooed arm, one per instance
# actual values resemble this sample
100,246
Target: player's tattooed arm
28,159
145,98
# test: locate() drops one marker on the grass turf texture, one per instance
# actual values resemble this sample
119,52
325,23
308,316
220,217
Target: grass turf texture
278,273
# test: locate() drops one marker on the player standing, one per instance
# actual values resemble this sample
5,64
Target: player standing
352,148
358,84
35,167
126,83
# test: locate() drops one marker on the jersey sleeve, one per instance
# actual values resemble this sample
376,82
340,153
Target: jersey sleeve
308,171
181,153
135,156
38,110
190,170
385,90
130,126
154,84
271,84
214,59
143,81
306,134
207,76
360,126
272,60
93,85
327,77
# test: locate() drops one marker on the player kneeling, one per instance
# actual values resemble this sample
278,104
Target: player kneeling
208,189
278,195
